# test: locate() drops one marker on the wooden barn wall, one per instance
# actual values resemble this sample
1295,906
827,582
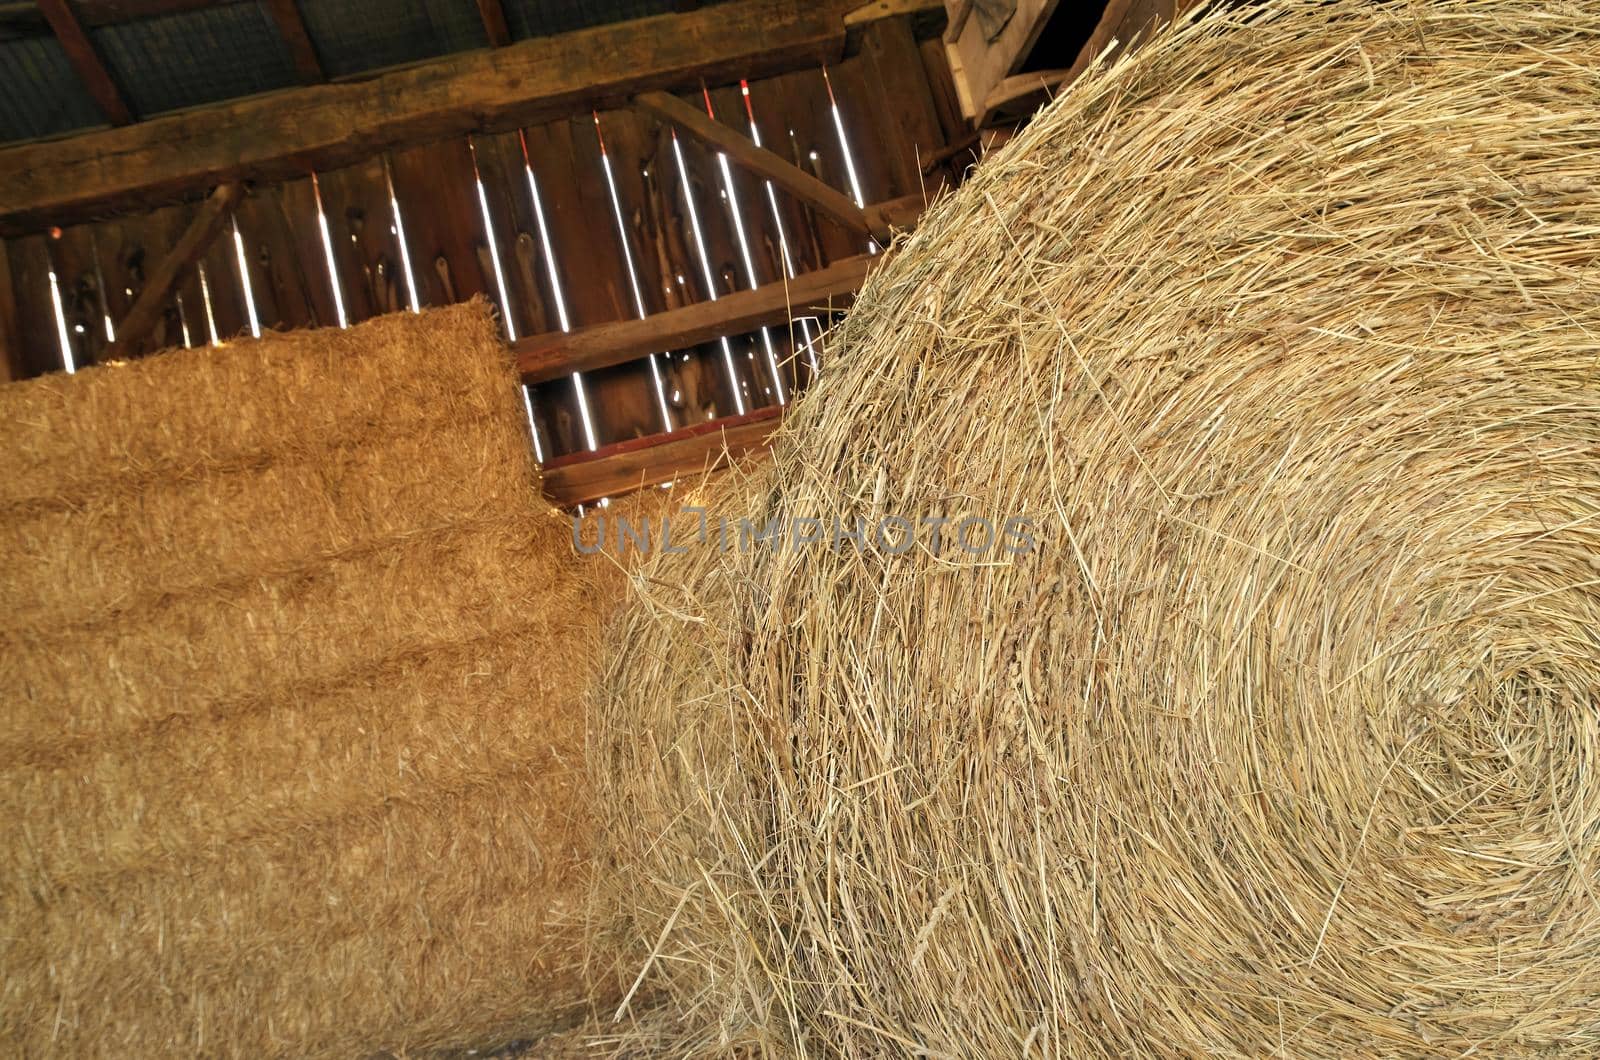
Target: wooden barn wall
895,103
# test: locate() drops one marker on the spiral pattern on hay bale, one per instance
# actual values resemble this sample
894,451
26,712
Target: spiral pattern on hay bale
1283,741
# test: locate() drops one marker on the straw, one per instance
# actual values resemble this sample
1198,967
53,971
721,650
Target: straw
1283,741
291,669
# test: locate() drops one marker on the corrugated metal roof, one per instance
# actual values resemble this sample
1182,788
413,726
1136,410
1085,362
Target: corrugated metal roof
353,36
183,60
40,94
541,18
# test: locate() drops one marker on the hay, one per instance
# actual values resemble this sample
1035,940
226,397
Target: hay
1284,740
292,667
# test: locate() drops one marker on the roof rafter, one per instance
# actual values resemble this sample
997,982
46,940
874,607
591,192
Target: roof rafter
86,60
292,28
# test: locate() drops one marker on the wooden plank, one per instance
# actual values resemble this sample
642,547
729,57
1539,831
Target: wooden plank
494,23
565,158
501,232
72,253
157,233
957,12
757,160
282,134
517,229
979,65
867,129
285,14
297,208
552,356
660,254
902,101
202,232
29,260
754,213
86,61
360,227
439,201
936,65
223,287
791,111
1020,95
285,297
617,469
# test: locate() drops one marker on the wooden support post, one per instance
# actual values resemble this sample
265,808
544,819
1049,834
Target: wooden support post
555,355
494,23
292,28
741,151
160,281
583,478
86,61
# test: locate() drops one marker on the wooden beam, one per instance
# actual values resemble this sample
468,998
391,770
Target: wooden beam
171,269
556,354
583,478
292,28
86,61
494,23
741,151
282,134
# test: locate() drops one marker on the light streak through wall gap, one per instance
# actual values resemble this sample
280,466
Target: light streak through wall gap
400,237
183,323
553,272
327,252
744,250
844,148
68,362
494,247
244,280
205,299
100,284
633,272
705,266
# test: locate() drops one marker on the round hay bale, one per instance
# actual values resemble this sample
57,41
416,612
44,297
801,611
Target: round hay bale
663,750
1283,739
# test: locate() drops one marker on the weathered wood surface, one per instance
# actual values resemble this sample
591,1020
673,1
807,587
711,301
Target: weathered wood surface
551,356
757,160
202,232
282,134
585,478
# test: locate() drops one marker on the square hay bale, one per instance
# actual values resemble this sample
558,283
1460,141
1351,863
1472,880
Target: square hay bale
291,665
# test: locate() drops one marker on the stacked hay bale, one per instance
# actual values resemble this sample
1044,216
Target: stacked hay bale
1283,740
292,665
